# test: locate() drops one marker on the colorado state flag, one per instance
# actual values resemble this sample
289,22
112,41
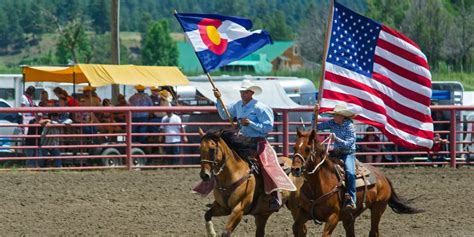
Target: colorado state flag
219,40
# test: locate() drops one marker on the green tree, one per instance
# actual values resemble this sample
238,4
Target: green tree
74,44
276,25
158,46
102,52
99,11
426,23
311,34
389,12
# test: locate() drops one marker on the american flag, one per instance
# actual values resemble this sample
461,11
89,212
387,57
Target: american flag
382,75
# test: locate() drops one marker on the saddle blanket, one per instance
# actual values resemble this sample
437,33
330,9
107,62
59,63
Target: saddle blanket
274,178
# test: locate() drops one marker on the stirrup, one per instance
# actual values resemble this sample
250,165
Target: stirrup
349,203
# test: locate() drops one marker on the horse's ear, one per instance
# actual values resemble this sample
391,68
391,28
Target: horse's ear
201,132
298,132
312,136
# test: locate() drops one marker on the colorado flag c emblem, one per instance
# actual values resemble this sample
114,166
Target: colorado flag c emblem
219,40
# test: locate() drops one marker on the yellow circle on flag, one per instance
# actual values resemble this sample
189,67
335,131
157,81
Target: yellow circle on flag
213,35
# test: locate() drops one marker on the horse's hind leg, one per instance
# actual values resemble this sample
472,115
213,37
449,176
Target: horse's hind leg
261,222
376,212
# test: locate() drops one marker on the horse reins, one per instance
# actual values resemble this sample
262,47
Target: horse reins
213,162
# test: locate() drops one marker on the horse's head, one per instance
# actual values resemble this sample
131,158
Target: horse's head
308,151
212,154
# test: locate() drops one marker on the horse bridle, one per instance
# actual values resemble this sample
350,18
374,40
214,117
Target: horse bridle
213,162
312,154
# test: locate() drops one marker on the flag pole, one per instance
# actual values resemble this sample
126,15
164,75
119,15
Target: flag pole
323,62
219,99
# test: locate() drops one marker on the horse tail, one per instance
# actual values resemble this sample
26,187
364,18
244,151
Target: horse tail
398,205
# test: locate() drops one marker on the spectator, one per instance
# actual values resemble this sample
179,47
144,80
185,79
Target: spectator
372,147
70,101
44,100
33,141
88,97
174,127
108,117
438,145
60,92
88,117
140,99
155,117
27,101
438,117
62,102
51,130
120,116
165,100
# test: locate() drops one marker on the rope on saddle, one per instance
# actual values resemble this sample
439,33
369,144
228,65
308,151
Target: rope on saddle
364,200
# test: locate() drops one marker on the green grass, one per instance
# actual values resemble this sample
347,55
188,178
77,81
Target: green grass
467,79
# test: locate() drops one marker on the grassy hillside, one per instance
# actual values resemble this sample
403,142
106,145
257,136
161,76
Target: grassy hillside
10,63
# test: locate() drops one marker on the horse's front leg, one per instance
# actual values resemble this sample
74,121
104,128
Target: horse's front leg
234,218
300,217
330,225
261,222
216,210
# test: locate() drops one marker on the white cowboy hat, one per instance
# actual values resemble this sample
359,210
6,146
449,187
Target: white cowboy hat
341,109
248,85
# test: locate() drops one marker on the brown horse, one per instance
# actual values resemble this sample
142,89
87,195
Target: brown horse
237,191
322,193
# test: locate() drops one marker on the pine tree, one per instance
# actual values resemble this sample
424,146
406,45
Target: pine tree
158,46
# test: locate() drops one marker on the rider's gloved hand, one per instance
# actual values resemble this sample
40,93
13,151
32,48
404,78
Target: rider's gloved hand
316,108
217,93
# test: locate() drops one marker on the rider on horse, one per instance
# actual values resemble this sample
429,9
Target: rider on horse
255,120
343,135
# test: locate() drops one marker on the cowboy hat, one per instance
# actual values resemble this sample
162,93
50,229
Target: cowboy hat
139,87
166,95
87,88
154,88
249,86
341,109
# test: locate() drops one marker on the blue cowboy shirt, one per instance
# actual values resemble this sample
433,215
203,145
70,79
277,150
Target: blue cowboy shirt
259,114
345,134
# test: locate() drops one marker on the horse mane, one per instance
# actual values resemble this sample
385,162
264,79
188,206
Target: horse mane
240,144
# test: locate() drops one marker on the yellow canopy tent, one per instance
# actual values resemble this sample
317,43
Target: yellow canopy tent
101,75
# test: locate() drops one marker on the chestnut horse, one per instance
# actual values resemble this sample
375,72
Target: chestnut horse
322,193
237,191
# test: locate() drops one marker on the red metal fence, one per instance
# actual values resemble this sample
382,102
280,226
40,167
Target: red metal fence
114,148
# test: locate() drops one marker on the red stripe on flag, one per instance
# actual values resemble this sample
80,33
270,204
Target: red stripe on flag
395,139
403,109
370,105
399,35
406,92
405,54
402,71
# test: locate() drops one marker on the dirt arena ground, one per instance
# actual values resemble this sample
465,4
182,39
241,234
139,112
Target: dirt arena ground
158,203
